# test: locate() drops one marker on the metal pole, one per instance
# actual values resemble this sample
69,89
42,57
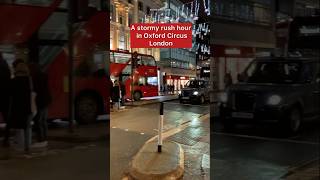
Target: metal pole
132,83
70,60
170,55
160,128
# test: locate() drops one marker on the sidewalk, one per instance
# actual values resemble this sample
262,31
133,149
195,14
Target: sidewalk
60,139
309,171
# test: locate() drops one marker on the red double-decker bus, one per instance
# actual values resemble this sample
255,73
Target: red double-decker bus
145,75
37,31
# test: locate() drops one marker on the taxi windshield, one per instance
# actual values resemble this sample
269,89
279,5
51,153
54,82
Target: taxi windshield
273,72
195,84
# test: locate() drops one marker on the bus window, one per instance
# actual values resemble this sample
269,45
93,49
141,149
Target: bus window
85,67
148,61
142,81
99,63
43,3
111,57
153,81
121,58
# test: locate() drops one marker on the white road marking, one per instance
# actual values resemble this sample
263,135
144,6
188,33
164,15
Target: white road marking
205,162
176,130
267,139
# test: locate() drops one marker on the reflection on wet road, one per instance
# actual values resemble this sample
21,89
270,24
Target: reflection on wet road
183,123
260,152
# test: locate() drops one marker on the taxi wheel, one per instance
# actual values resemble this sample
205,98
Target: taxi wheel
293,121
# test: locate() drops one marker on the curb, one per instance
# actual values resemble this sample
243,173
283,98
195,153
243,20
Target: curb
308,170
147,166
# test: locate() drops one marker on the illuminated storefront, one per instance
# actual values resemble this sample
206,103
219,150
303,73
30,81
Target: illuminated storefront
126,12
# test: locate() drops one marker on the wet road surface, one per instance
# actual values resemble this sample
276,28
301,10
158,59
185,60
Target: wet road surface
131,128
261,152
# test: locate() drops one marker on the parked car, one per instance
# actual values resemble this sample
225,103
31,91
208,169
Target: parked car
195,91
281,90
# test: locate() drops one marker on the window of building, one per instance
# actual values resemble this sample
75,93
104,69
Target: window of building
111,12
122,43
244,11
140,6
121,18
130,18
111,39
148,10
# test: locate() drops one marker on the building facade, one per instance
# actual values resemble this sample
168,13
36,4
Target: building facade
126,12
177,66
242,31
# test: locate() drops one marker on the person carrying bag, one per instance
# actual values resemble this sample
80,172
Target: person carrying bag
23,107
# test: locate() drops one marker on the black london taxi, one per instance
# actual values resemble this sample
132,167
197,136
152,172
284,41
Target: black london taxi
285,90
195,91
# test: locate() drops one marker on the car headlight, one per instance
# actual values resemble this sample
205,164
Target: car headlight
195,93
179,92
224,97
274,100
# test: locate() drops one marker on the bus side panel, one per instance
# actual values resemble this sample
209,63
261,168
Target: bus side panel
21,21
98,85
58,85
85,40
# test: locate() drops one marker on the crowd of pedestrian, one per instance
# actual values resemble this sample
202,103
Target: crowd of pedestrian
167,89
24,101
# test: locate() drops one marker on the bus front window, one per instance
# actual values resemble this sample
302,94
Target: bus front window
152,81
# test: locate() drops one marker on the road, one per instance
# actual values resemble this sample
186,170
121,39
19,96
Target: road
131,128
262,152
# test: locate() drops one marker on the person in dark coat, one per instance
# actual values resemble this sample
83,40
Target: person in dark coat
5,76
116,92
227,80
110,87
43,100
21,114
123,93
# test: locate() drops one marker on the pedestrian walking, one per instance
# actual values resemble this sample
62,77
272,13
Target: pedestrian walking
116,93
5,76
43,100
227,80
22,104
123,93
165,88
110,87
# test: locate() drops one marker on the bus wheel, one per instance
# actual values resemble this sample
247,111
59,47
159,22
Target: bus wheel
86,110
137,96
